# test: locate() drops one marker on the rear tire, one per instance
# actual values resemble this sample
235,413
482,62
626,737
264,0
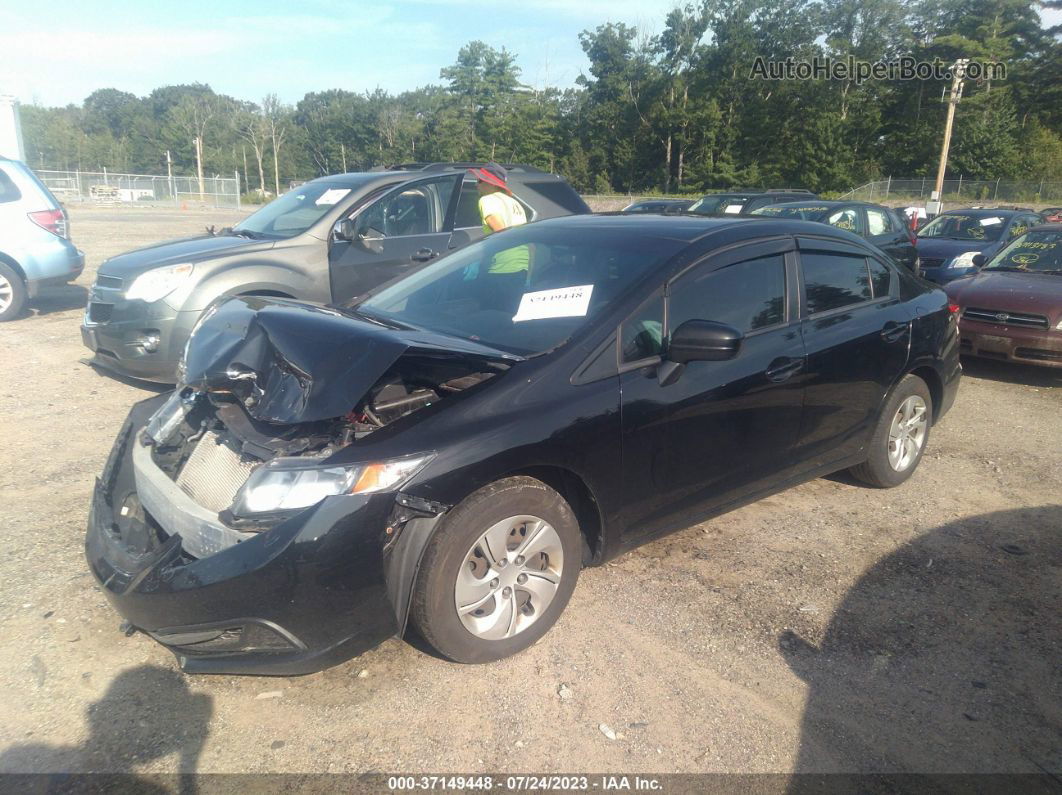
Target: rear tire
900,436
477,598
12,293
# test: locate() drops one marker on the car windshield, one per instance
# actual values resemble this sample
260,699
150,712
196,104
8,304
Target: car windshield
958,226
718,204
294,212
1038,251
806,212
525,290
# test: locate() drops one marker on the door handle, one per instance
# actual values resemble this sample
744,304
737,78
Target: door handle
783,368
423,255
893,331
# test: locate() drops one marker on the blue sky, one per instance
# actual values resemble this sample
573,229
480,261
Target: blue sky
58,51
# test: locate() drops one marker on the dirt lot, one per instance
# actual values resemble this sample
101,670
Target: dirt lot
831,627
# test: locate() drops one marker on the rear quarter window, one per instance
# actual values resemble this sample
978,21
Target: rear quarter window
9,191
557,193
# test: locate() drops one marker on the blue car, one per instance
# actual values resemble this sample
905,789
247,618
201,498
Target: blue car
948,244
35,247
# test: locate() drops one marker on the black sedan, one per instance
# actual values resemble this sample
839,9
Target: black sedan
665,206
884,227
454,449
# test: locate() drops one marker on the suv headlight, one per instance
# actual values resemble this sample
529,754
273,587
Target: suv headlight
157,283
964,260
286,484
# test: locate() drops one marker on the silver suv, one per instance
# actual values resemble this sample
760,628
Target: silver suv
35,247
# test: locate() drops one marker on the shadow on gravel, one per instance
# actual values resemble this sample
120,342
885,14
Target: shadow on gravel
944,657
147,713
103,372
57,299
1008,373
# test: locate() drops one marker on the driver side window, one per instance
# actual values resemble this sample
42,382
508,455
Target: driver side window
418,209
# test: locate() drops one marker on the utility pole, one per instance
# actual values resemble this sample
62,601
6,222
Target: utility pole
199,166
169,178
958,71
343,151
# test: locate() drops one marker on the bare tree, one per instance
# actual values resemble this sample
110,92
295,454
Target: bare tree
193,116
251,126
276,117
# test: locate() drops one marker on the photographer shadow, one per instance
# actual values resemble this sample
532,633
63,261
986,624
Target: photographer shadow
943,658
146,714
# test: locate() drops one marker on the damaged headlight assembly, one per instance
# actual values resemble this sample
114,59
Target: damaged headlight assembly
287,484
169,416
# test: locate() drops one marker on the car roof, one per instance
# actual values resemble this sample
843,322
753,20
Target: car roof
979,212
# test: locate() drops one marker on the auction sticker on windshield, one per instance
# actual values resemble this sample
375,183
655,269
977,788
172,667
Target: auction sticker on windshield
332,195
562,302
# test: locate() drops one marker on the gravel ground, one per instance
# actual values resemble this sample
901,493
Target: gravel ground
831,627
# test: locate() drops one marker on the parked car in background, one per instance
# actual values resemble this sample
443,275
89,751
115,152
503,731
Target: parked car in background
329,240
1012,309
882,226
744,202
1052,215
35,247
455,448
948,244
665,206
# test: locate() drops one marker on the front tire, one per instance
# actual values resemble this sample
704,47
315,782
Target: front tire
900,436
499,571
12,293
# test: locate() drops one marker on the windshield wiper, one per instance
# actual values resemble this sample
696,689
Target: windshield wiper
244,233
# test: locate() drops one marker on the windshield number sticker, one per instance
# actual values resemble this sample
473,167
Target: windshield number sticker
733,208
563,302
331,196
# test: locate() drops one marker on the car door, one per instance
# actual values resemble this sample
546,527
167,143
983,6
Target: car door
468,226
398,232
885,233
724,427
857,335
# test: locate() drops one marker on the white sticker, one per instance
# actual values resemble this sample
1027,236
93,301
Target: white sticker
564,302
733,208
991,221
332,195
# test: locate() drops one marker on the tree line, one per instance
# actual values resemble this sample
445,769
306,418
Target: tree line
676,111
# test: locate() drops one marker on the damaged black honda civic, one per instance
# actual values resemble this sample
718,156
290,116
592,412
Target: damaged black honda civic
451,451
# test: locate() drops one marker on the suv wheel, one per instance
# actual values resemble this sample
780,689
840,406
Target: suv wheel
12,293
499,571
900,436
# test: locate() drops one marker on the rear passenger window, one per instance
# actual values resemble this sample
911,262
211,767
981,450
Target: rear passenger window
846,219
880,278
468,207
877,222
748,295
8,190
833,281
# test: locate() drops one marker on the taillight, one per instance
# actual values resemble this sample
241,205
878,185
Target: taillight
954,308
51,220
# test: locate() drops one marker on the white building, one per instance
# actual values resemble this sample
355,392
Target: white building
10,129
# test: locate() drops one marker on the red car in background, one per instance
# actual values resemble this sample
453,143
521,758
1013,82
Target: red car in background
1011,310
1052,215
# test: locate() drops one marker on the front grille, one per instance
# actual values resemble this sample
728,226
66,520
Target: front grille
100,313
999,317
110,282
931,262
214,473
1038,354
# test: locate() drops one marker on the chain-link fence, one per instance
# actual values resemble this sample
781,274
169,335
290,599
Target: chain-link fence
104,188
959,190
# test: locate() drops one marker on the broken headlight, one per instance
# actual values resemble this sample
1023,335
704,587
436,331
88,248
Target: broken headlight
286,484
169,416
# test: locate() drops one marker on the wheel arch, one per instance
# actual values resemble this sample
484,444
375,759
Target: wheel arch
13,264
579,496
932,378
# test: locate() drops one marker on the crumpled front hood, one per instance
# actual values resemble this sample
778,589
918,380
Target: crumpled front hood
293,362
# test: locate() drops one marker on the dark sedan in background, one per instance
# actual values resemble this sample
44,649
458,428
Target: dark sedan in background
665,206
745,202
1012,309
455,448
327,240
948,244
882,226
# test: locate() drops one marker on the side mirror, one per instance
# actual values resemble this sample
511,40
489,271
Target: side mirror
703,341
345,230
371,240
979,260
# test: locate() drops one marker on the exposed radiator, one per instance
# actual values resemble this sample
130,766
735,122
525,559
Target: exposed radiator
214,473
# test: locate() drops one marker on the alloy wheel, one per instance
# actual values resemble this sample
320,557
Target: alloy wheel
509,577
7,293
908,432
